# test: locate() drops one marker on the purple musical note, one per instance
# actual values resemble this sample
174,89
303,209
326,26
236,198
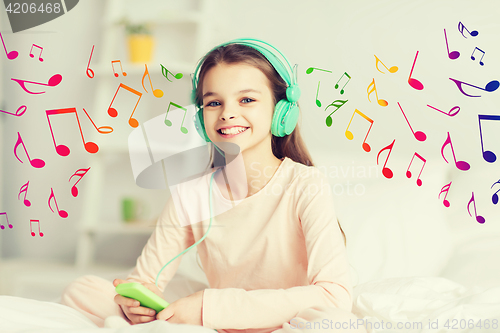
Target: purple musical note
491,86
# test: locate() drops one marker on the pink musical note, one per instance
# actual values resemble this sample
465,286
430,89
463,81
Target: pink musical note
337,106
80,173
408,172
479,218
36,163
31,228
450,113
453,54
113,66
62,213
350,136
53,81
491,86
386,171
112,111
169,123
445,189
461,165
90,72
102,129
381,102
488,155
17,114
494,197
337,84
156,92
393,69
63,150
480,60
462,27
41,50
24,189
10,55
7,218
420,136
414,83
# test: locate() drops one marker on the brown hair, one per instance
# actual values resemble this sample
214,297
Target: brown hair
291,146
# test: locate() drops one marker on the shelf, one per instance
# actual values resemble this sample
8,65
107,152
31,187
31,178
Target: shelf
122,228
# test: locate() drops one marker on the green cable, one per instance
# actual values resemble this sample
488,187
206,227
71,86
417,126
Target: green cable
199,241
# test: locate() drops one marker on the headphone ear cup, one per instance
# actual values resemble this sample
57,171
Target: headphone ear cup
283,123
199,124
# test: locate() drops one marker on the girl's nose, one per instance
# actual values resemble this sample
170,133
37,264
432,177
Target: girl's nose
227,113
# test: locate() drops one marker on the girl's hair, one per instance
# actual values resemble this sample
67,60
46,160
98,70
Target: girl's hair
291,146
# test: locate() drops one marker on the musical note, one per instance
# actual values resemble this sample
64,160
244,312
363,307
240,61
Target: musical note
90,72
479,218
102,129
7,218
450,113
113,66
494,197
165,72
488,156
36,163
453,54
53,81
41,50
393,69
386,171
420,136
63,150
31,228
318,103
408,172
350,136
491,86
445,189
112,111
156,92
462,27
338,105
62,213
461,165
17,114
311,69
414,83
24,188
10,55
381,102
480,60
337,84
80,173
169,123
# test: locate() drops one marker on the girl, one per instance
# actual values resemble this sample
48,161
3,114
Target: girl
277,259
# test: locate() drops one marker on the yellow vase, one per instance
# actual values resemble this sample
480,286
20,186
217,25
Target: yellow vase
140,48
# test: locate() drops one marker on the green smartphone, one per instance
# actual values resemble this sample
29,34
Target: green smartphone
142,294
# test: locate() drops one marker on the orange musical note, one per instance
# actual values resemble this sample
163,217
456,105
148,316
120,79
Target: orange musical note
420,136
63,150
311,69
121,67
393,69
479,218
80,173
337,84
24,188
445,189
461,28
41,50
450,113
408,172
169,123
53,81
62,213
381,102
17,114
350,136
112,111
156,92
386,171
7,218
414,83
338,105
90,72
453,54
31,228
461,165
102,129
36,163
165,72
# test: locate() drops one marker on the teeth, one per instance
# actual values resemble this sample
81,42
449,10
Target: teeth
232,130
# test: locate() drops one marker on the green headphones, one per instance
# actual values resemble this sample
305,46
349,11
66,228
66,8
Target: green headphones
286,111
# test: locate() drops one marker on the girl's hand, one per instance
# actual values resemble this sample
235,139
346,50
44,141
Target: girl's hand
186,310
131,308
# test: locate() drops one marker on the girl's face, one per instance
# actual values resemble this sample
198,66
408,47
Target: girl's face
238,106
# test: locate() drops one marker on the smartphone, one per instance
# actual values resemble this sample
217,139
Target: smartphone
142,294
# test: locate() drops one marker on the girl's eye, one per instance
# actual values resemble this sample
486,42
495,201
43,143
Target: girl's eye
246,100
214,103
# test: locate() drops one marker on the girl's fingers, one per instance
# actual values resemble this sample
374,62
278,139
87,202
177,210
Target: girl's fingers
125,301
118,281
140,310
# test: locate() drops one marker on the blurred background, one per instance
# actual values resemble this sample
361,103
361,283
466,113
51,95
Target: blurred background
394,227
